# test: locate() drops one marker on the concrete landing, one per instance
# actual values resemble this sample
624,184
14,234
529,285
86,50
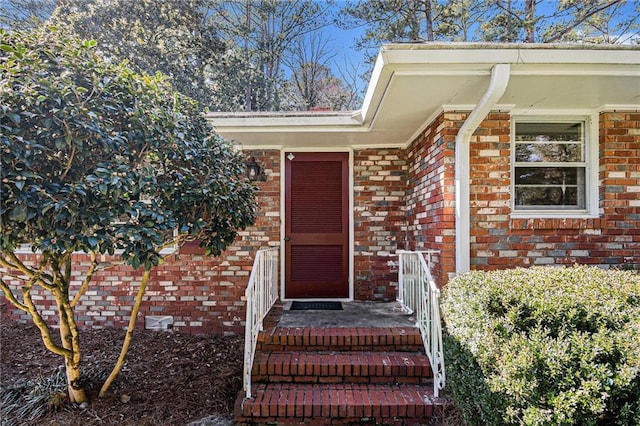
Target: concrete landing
354,314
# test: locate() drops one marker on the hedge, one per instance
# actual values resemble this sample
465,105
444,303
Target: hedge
544,346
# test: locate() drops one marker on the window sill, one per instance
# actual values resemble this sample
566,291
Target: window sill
569,214
565,222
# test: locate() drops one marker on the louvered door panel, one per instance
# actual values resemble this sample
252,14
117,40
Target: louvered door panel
316,225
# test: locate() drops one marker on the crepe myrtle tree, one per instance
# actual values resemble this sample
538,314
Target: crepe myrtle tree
99,159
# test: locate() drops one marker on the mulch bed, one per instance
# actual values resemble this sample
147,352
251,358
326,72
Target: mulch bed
169,378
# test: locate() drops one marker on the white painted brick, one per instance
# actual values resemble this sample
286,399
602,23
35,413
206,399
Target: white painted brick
613,175
508,253
579,253
489,153
489,138
542,246
487,211
501,189
499,203
633,188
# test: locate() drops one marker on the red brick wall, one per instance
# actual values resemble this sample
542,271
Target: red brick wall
499,241
379,221
431,193
402,199
204,295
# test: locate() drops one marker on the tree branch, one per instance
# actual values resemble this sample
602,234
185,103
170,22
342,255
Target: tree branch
87,279
16,263
129,335
11,297
45,333
568,28
509,11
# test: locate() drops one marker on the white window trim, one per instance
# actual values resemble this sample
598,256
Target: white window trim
591,168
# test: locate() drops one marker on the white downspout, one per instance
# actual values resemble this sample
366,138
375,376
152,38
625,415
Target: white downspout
500,74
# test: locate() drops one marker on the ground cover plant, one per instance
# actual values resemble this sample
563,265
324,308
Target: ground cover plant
544,346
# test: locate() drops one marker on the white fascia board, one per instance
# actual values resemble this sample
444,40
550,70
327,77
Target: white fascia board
284,120
378,83
578,70
291,129
245,148
482,53
614,108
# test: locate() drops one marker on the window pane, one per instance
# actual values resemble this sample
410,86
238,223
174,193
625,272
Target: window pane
547,176
550,132
549,197
549,152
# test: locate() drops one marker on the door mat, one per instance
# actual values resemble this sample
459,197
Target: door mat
316,306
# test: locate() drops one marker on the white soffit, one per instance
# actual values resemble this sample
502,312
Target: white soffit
411,82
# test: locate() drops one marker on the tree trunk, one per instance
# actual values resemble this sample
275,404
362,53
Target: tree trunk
128,336
428,17
76,392
70,340
248,90
529,21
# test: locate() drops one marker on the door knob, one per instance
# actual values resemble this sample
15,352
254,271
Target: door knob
287,238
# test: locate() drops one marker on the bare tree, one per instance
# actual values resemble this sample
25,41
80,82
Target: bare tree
266,30
529,22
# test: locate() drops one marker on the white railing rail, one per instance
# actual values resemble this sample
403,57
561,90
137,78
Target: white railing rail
418,294
261,294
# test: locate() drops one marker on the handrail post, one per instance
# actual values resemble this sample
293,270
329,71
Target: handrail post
261,296
401,295
421,295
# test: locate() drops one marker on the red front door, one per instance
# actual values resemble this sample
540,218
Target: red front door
316,225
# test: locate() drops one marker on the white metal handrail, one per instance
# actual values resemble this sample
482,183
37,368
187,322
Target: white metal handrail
418,293
261,294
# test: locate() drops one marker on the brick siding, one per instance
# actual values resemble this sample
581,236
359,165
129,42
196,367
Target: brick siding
379,221
431,193
500,241
403,199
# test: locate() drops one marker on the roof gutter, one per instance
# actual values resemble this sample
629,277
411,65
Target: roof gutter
500,74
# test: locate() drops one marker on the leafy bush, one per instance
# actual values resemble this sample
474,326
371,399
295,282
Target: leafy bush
544,346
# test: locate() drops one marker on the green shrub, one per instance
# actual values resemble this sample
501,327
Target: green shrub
544,346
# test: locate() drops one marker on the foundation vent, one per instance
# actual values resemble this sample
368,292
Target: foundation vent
158,322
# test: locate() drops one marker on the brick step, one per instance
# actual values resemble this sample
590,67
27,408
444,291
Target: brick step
324,404
342,367
395,339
